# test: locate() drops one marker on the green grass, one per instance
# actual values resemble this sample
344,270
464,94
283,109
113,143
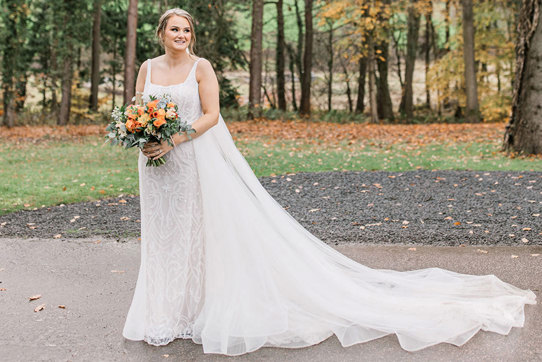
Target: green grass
53,172
288,157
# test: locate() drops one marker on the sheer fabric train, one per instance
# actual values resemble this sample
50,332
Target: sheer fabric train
269,282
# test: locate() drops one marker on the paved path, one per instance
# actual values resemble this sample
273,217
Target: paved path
95,280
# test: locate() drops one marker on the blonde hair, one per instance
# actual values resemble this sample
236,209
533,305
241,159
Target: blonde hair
162,23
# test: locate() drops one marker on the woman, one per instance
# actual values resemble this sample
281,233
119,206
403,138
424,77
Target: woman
223,264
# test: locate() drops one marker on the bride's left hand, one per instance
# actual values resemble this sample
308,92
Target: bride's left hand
156,150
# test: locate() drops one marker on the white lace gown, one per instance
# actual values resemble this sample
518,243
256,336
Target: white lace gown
222,263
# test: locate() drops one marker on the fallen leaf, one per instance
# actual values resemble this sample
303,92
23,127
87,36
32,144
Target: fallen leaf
34,297
514,256
122,201
117,271
125,218
524,240
57,236
62,306
3,289
457,223
535,254
412,249
39,307
526,229
482,251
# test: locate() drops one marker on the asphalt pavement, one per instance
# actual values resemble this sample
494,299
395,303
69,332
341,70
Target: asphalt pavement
86,286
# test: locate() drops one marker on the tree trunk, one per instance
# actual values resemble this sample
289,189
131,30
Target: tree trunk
348,89
95,72
305,107
407,100
299,53
291,66
447,24
472,112
360,104
130,57
9,106
398,59
255,86
330,68
372,81
280,62
428,43
524,130
383,98
65,102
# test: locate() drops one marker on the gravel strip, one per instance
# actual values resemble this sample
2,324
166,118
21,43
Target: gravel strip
415,207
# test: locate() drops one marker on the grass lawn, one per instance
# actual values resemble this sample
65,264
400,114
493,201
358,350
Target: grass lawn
46,171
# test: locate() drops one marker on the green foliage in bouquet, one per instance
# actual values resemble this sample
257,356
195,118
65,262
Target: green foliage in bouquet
136,125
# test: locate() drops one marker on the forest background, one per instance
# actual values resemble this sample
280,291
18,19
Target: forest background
305,85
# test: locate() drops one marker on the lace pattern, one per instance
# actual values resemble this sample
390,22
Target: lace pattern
171,228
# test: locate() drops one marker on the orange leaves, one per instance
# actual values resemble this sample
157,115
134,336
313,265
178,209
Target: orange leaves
332,133
55,132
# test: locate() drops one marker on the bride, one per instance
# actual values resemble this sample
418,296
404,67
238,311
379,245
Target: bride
223,264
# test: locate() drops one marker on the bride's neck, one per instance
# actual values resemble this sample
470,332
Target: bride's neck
174,59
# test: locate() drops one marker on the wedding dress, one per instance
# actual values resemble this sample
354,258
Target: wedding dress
222,263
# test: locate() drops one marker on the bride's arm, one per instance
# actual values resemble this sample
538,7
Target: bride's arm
210,105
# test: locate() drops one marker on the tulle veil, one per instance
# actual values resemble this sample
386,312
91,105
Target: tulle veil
270,282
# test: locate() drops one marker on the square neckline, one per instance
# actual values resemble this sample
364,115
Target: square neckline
149,73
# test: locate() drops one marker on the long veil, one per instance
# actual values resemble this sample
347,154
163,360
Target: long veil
270,282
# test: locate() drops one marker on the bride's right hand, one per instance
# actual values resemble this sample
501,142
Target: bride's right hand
149,149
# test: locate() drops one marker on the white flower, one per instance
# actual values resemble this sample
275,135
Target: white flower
171,114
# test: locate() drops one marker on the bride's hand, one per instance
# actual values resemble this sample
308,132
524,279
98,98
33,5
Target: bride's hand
156,150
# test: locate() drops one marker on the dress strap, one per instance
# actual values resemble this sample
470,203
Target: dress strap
148,79
193,70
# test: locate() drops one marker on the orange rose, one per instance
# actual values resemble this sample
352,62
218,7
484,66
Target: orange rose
130,124
143,119
152,104
160,121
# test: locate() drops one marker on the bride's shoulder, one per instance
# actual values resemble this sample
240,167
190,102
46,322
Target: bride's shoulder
204,69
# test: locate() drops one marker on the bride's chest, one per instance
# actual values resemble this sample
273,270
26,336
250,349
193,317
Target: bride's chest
184,95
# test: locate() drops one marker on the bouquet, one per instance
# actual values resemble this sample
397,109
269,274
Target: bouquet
135,125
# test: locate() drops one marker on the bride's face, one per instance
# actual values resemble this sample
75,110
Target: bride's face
177,35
